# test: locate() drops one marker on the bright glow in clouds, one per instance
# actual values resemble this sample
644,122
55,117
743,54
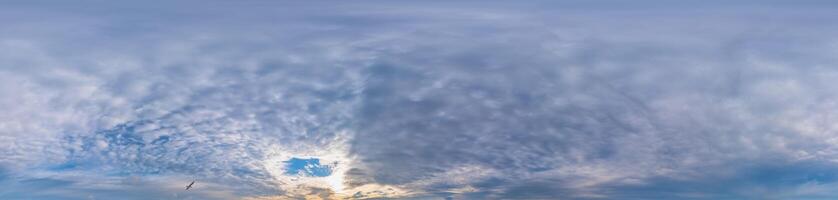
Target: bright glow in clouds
332,154
604,99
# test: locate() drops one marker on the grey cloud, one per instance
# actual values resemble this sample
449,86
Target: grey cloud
629,107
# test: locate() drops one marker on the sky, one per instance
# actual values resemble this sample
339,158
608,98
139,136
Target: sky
268,100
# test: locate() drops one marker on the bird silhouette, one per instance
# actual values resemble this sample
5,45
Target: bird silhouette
190,185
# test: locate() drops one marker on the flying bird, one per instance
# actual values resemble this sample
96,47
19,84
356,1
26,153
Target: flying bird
190,185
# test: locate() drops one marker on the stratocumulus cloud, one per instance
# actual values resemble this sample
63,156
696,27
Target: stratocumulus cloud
418,100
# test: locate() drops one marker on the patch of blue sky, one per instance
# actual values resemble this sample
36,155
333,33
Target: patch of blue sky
307,167
64,166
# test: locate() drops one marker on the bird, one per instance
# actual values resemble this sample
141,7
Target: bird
190,185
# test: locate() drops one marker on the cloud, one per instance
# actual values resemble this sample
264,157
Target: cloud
422,100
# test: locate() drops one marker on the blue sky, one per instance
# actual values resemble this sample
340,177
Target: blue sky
260,100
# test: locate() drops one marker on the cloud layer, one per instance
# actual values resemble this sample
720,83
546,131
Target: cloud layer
570,100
